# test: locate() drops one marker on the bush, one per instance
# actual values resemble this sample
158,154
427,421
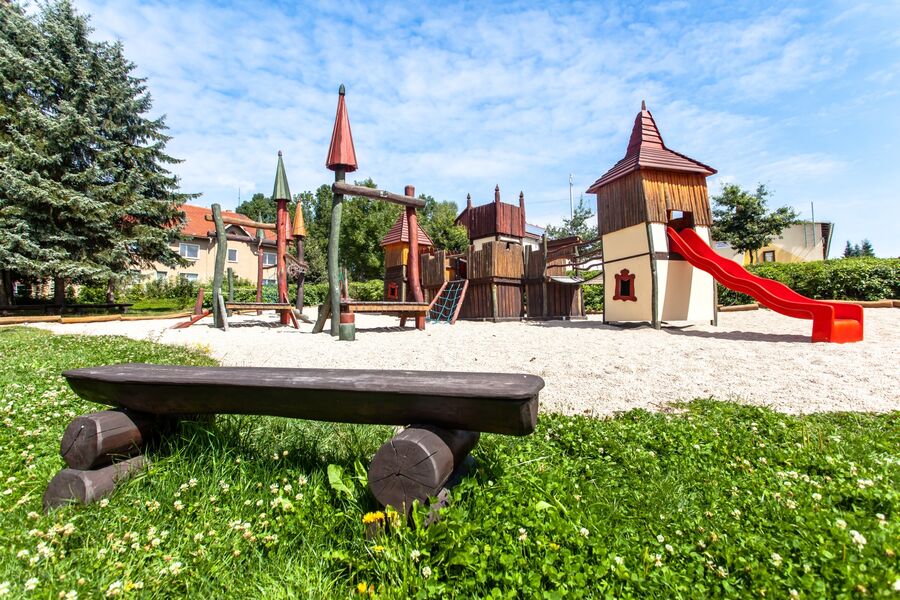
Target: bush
91,294
593,298
837,279
177,288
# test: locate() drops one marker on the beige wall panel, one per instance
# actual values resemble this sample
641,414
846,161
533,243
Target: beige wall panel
625,242
622,310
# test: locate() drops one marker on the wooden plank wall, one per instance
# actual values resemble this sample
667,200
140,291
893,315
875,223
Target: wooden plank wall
395,255
433,269
621,204
667,190
490,270
481,221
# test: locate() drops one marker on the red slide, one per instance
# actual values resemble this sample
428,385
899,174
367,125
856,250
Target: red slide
832,321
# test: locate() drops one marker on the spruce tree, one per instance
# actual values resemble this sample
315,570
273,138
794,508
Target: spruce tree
84,189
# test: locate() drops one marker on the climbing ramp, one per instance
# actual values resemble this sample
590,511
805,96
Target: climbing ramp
447,302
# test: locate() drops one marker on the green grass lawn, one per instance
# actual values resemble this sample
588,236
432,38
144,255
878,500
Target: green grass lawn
153,306
719,500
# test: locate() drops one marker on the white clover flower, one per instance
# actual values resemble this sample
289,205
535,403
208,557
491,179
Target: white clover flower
414,555
523,535
660,539
4,588
178,505
22,553
104,502
192,482
71,595
897,586
115,588
858,539
817,497
657,562
31,584
426,572
670,549
776,559
794,594
736,514
841,524
619,560
584,532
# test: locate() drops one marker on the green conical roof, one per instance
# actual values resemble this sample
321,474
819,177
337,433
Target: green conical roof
260,234
282,190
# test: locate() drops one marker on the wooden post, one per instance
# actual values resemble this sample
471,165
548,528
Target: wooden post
219,272
230,278
281,249
93,440
198,305
334,239
299,301
545,309
654,282
413,268
260,236
415,464
85,487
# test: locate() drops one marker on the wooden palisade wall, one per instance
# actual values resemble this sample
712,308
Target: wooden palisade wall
495,273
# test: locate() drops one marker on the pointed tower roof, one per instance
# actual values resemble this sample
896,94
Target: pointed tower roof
282,190
400,233
646,150
341,154
299,224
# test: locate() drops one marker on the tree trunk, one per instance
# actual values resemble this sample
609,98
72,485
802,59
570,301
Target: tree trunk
6,291
59,290
110,291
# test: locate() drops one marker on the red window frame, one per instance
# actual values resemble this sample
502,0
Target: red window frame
625,275
393,291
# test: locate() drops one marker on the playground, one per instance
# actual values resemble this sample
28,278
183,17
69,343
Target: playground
590,368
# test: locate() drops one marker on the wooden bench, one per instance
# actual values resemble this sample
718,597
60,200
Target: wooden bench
80,309
239,306
445,412
46,309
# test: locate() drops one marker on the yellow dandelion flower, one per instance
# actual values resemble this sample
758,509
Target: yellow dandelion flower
378,548
373,517
361,588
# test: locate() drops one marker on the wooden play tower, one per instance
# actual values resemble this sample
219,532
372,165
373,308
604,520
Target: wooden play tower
651,188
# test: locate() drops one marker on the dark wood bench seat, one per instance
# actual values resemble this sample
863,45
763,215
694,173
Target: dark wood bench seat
385,308
81,308
486,402
258,306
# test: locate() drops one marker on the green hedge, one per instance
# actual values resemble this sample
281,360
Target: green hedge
837,279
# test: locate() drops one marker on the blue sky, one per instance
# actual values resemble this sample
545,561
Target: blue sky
455,98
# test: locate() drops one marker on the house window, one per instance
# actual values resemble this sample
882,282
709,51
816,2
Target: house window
189,276
189,251
269,259
268,282
769,256
232,255
624,286
161,275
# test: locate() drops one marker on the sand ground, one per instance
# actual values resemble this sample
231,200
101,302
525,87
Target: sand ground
756,357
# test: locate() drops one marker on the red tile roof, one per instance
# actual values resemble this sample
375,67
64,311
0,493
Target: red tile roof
646,150
400,233
196,224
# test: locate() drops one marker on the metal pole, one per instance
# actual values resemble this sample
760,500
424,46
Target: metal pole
571,201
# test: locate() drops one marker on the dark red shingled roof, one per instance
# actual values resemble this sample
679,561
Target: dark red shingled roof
196,224
400,233
646,150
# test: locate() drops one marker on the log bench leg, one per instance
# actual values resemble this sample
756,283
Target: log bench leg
85,487
417,463
94,440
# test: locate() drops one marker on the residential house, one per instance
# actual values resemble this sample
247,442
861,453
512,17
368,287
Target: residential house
199,248
802,242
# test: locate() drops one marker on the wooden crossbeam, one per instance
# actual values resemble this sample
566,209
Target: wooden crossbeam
340,187
243,222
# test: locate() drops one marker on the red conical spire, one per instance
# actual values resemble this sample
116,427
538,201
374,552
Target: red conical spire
341,154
